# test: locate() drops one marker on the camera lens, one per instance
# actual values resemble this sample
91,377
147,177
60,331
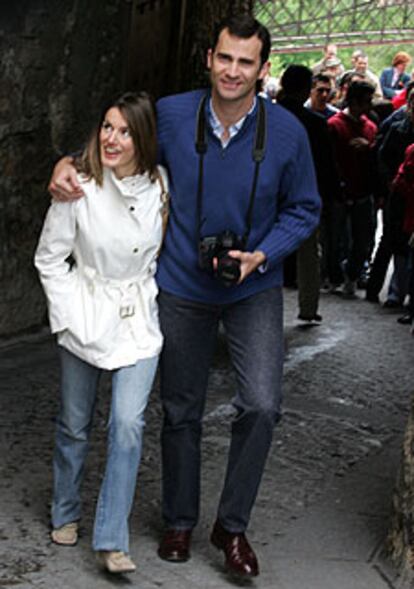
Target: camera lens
228,270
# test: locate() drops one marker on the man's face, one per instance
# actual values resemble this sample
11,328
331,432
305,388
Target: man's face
330,51
361,64
400,67
235,67
320,95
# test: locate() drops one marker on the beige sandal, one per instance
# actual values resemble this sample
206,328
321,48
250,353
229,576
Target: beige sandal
116,561
67,535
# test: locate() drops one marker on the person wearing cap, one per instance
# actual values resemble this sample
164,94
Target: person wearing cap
329,53
333,68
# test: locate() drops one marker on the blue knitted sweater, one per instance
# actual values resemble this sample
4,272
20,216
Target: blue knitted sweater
286,208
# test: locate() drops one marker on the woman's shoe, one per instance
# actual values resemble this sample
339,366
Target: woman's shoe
67,535
115,561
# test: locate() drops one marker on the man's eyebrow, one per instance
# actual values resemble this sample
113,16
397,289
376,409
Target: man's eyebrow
246,60
223,54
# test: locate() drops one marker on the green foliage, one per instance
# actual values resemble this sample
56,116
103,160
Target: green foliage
354,23
379,57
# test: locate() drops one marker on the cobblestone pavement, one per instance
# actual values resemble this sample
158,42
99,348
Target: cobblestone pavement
347,388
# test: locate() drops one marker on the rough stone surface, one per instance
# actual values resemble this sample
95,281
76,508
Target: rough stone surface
401,535
324,505
59,60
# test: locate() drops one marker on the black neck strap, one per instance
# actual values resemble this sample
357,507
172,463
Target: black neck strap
257,154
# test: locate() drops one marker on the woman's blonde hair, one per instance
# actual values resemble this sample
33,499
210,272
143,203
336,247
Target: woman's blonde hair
139,112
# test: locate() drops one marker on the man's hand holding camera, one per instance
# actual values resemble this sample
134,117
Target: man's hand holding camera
249,262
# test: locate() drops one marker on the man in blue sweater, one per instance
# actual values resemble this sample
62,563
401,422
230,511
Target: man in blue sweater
243,197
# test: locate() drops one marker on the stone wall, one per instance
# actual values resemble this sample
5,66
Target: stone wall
59,59
400,541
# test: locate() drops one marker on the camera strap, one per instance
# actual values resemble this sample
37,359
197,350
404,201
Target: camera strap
257,154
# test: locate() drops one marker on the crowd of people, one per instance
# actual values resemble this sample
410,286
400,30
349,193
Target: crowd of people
360,146
246,179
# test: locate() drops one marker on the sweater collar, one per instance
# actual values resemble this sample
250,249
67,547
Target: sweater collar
218,128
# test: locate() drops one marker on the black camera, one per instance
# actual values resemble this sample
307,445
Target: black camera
218,246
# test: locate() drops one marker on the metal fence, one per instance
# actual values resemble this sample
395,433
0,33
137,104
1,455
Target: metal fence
306,25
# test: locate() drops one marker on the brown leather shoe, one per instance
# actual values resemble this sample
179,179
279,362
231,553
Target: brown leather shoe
240,558
175,545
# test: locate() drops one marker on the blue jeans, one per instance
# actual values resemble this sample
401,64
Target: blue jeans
399,283
131,386
254,330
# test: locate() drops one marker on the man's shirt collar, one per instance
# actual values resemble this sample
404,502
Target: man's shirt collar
218,128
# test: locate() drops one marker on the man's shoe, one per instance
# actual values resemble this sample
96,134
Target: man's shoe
175,545
405,319
349,288
335,289
116,562
240,558
67,535
310,319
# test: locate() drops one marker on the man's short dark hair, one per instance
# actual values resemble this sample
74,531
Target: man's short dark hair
346,78
321,78
358,90
296,78
245,26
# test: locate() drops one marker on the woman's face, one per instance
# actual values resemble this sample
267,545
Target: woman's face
116,144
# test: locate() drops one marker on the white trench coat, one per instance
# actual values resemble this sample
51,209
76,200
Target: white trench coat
103,307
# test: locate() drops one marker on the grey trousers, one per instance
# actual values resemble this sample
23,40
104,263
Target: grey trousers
254,331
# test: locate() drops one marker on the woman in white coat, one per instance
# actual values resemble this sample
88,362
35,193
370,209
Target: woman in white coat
103,309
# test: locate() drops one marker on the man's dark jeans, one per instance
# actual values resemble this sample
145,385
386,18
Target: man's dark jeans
356,219
254,330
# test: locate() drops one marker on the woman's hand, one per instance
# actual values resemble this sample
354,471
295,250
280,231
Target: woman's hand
64,185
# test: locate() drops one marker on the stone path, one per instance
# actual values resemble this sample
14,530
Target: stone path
321,516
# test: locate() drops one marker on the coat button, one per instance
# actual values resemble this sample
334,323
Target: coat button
135,250
132,208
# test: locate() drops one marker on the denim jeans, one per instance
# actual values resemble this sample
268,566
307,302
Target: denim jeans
356,220
254,330
131,386
399,283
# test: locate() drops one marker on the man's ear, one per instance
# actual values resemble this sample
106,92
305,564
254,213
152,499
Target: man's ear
264,70
209,58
